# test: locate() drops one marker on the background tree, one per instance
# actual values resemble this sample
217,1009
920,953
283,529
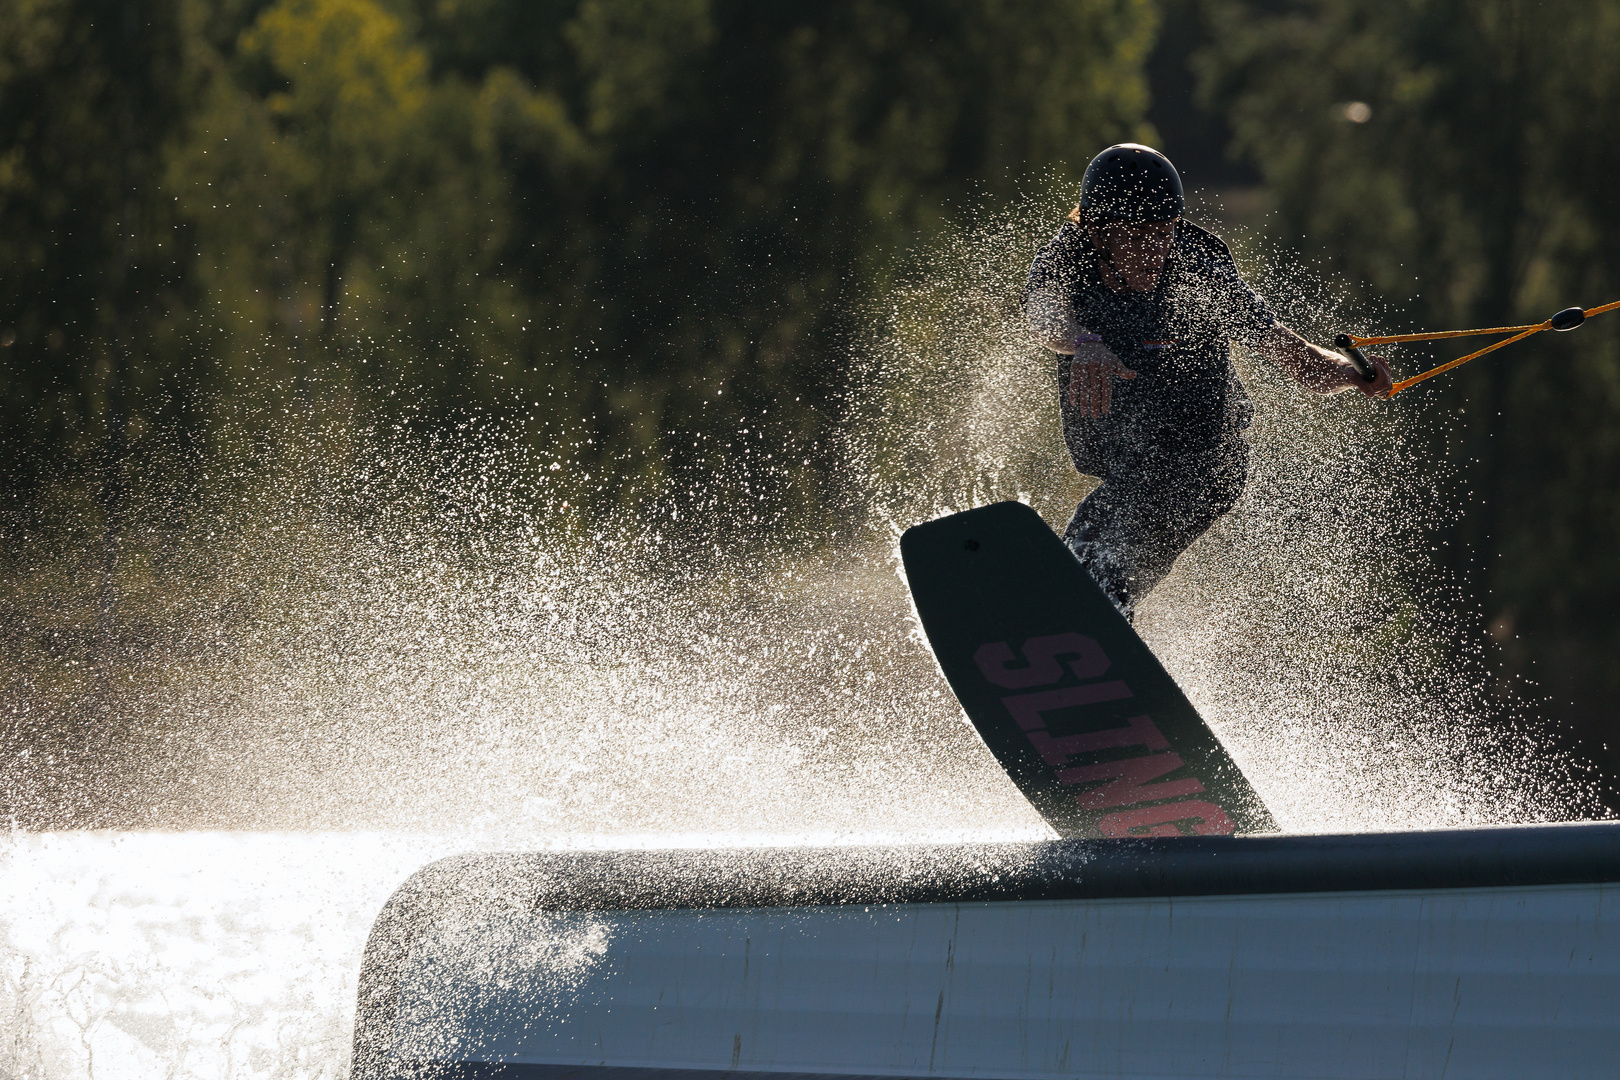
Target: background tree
642,220
92,254
1469,187
758,169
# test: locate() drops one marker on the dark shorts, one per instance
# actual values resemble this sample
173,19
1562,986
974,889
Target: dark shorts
1132,528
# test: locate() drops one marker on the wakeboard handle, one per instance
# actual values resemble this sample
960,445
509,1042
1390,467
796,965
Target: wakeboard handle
1358,359
1567,319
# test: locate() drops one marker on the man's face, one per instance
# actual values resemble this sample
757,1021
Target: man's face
1137,251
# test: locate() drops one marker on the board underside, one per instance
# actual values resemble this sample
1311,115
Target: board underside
1079,712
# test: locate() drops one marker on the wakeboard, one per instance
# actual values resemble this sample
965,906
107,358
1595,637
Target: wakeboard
1084,718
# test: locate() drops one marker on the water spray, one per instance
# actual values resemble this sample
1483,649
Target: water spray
1351,345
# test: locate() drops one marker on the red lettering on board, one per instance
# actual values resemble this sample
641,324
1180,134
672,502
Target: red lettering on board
1041,656
1137,731
1128,781
1027,708
1206,819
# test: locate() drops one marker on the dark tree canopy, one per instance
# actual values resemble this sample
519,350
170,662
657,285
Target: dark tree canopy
614,207
1473,186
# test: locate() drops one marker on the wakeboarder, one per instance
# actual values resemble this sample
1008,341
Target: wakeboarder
1141,307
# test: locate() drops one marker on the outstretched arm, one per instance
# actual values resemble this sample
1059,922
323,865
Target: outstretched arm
1321,370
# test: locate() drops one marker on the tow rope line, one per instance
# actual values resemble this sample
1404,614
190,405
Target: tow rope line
1568,319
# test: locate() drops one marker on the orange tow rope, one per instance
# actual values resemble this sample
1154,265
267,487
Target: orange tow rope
1519,334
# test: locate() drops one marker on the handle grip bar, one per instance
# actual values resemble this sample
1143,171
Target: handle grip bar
1358,359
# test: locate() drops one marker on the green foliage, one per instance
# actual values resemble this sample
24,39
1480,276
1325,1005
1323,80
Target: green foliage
343,198
1476,192
644,221
91,251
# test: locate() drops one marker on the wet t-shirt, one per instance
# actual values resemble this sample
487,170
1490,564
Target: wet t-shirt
1186,397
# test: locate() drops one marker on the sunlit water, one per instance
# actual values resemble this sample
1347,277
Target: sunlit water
364,654
200,954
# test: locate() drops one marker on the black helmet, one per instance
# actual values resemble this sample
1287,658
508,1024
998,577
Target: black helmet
1131,182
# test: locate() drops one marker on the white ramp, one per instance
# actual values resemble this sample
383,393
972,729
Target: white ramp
1469,953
